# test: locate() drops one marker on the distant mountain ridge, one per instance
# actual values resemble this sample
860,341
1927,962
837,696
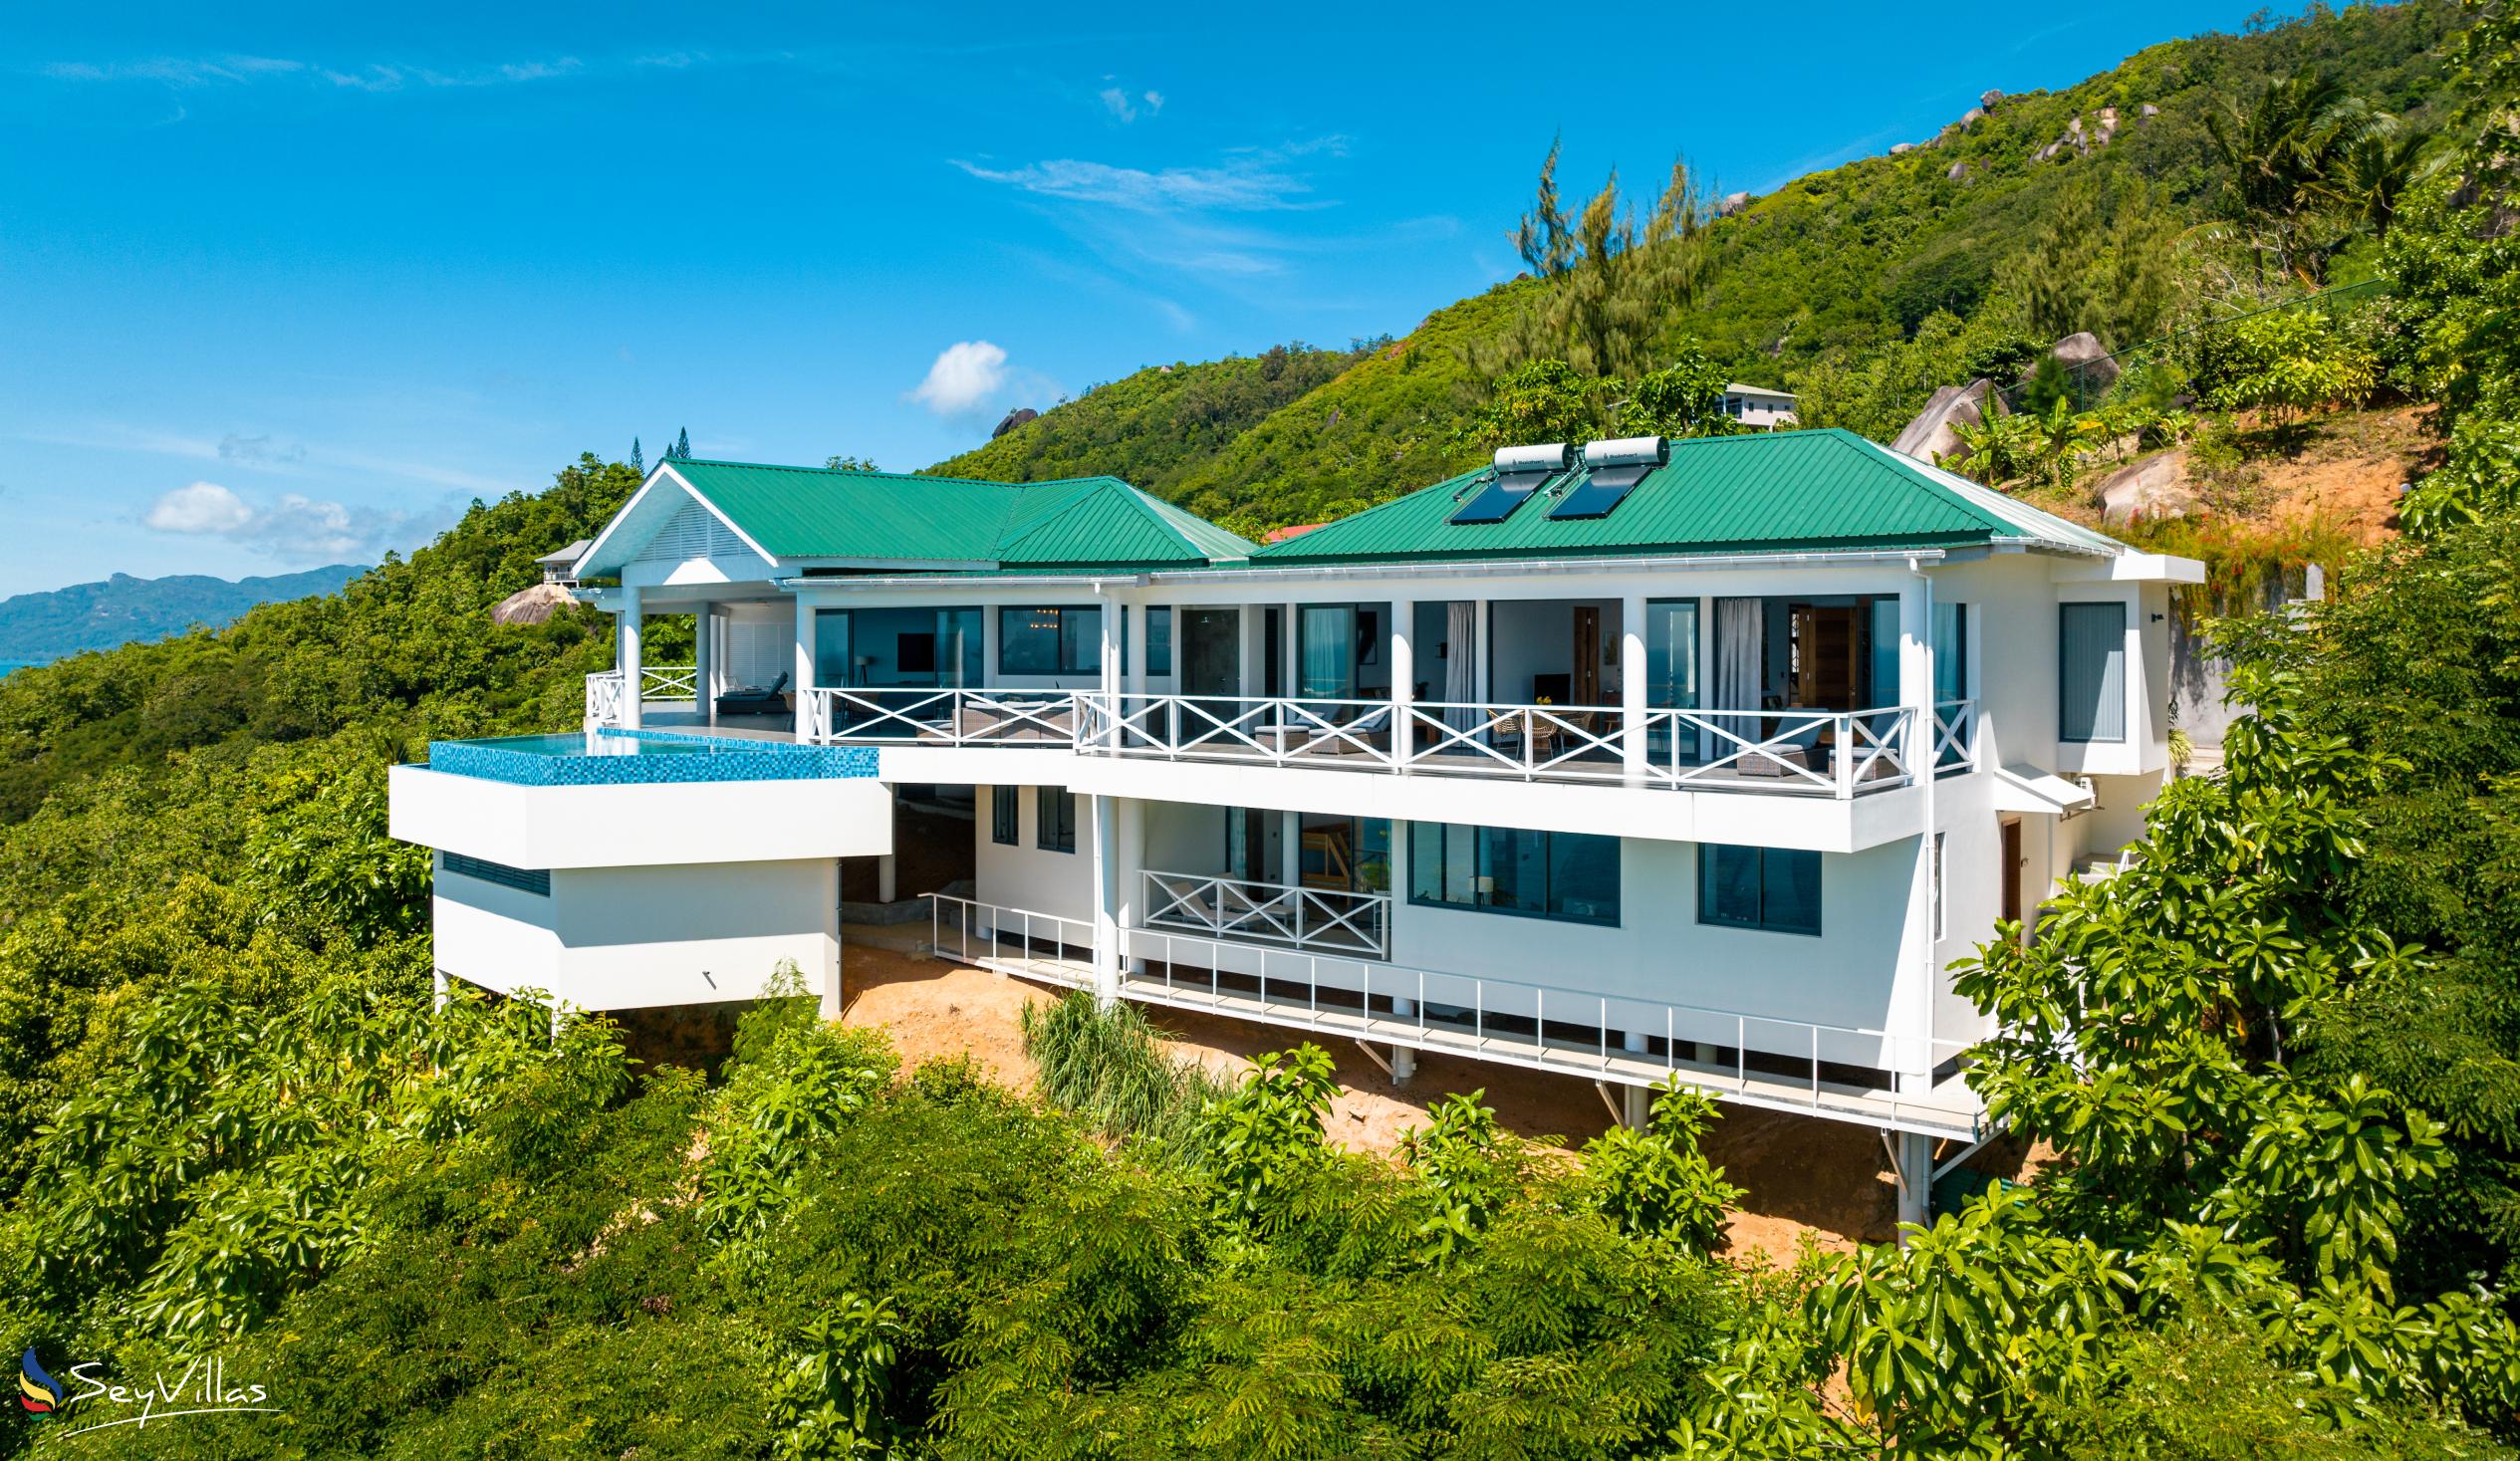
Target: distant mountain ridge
121,609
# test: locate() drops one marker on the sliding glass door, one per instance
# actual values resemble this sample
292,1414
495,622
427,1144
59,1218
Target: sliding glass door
1670,670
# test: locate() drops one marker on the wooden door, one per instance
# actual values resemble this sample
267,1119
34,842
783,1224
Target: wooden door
1584,684
2009,864
1828,657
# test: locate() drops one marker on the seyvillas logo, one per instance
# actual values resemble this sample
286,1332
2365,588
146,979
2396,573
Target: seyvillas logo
38,1392
203,1389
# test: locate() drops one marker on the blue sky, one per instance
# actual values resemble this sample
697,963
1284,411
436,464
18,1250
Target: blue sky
284,286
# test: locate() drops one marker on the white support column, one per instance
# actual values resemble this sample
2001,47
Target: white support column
828,982
703,663
1911,1019
1404,1059
1632,741
1635,1106
1915,1152
1105,832
1291,848
437,988
1291,651
626,655
1130,850
1478,649
1133,673
807,723
886,878
1403,1007
1404,662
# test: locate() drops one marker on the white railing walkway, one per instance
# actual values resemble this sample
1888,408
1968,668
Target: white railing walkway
1753,1060
1812,752
605,706
943,716
1325,919
668,684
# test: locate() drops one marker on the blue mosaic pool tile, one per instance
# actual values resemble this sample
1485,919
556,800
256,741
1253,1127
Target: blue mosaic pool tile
726,760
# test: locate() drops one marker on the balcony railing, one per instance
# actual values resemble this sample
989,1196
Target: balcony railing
605,700
942,717
1323,919
1841,1072
668,684
1838,754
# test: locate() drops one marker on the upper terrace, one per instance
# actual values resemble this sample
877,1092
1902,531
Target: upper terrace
1747,614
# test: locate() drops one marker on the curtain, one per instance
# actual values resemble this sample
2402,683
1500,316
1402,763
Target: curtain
2093,675
1460,670
1329,652
1741,665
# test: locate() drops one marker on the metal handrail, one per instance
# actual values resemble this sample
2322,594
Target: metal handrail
1275,913
1482,1017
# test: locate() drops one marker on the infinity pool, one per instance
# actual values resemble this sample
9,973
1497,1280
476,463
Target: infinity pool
635,758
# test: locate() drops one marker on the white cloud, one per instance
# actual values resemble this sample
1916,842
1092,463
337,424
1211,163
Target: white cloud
1154,103
374,76
293,528
1116,102
203,507
1246,185
964,377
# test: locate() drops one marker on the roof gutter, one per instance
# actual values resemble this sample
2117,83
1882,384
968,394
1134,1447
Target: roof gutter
1096,582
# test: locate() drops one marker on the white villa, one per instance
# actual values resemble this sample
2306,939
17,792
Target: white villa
1701,758
1759,407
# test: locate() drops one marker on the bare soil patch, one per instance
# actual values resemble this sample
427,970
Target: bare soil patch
1825,1181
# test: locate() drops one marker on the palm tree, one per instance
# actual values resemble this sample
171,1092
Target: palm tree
2373,168
2281,151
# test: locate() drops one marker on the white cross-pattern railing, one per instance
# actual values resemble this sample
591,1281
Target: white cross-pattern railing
1838,754
1328,919
668,683
1832,1071
944,716
1280,730
1954,736
605,700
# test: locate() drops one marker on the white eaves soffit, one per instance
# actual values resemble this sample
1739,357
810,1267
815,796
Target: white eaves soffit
668,521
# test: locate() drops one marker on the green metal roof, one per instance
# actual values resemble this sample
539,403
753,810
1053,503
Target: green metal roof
1783,491
1083,522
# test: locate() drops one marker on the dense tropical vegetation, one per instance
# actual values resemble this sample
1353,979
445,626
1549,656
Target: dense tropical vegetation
2276,1060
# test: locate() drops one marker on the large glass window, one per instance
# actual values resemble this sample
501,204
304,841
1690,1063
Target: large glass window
1950,651
891,649
1564,876
1050,639
1671,653
1004,803
1159,640
1771,889
2092,673
1327,651
1055,820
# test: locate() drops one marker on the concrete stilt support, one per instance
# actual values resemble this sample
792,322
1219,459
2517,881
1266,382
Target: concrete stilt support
830,972
626,655
1404,1065
886,878
1635,1106
1914,1151
437,988
1105,902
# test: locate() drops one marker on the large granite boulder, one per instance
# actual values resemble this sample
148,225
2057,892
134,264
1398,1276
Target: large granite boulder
531,605
2086,358
1013,419
1930,434
2155,487
1731,204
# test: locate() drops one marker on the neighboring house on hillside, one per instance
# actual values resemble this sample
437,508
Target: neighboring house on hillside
562,567
1701,758
1758,407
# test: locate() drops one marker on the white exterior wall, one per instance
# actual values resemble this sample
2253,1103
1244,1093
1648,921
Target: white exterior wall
617,938
1026,876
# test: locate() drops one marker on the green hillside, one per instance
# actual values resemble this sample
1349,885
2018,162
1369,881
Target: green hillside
1810,284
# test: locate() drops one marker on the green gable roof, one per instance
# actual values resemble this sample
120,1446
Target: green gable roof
1084,522
1786,491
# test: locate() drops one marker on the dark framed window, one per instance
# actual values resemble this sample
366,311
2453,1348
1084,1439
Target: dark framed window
1774,889
1159,638
535,880
1055,820
1004,805
1049,638
2091,672
1568,876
